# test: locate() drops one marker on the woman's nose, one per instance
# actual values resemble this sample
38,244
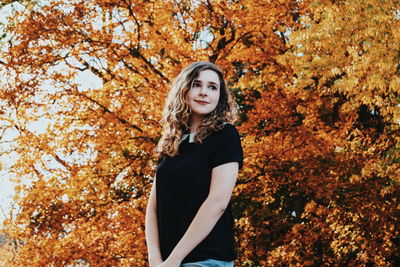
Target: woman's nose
203,90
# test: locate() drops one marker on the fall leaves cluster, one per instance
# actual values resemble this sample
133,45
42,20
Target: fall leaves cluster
317,84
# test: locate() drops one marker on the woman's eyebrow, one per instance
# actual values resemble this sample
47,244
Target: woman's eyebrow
214,83
200,81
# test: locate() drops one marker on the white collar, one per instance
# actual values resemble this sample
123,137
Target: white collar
191,138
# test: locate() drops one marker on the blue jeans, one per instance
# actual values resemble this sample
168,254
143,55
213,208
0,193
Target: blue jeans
208,263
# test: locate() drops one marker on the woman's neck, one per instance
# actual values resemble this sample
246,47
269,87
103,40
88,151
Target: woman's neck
195,122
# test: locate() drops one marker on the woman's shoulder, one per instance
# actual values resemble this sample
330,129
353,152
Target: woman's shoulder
227,129
227,126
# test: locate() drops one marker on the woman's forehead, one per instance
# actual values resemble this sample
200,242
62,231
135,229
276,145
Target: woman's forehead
208,76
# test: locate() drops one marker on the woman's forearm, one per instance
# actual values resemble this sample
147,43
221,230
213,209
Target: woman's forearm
152,238
204,221
151,229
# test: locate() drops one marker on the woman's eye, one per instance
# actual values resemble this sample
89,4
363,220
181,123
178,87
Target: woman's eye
213,87
196,84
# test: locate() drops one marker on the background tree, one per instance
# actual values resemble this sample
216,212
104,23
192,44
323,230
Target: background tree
6,251
345,64
317,87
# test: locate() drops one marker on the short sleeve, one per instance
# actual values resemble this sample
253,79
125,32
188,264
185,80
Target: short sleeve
228,147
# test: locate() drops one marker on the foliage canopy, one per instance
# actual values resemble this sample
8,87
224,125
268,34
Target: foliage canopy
317,83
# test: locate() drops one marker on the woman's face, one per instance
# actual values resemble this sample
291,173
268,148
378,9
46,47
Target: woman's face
203,95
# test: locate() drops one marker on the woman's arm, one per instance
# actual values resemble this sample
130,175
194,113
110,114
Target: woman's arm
151,229
223,179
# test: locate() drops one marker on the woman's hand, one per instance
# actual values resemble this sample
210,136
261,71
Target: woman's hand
155,263
170,263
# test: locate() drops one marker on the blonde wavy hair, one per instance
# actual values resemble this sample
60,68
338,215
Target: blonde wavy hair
176,113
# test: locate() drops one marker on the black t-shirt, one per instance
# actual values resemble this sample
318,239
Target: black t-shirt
183,183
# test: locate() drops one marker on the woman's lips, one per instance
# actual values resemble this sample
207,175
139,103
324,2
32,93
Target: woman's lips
201,102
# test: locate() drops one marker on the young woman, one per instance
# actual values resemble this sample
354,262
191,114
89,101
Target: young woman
189,222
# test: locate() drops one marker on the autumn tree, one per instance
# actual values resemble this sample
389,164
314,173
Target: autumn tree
6,252
84,179
345,64
317,88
